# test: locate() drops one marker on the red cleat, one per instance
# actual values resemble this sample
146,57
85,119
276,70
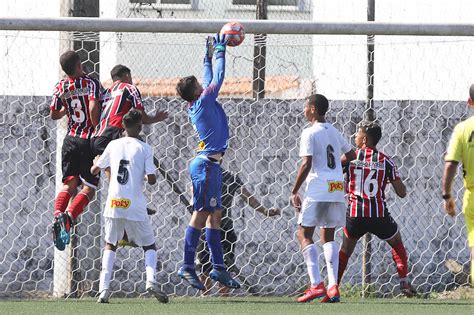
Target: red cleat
332,296
313,293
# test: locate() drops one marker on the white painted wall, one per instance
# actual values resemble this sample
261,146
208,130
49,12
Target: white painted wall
29,61
405,67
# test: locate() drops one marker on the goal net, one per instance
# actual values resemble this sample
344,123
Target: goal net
420,88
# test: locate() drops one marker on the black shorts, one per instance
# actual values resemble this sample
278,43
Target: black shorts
77,160
384,228
100,143
229,238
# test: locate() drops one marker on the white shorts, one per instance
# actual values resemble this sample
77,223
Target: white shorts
323,214
139,232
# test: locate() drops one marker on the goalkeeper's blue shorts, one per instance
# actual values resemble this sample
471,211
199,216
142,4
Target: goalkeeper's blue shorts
206,177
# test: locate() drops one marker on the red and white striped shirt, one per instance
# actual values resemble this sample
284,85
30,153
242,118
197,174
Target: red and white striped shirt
74,95
116,102
367,177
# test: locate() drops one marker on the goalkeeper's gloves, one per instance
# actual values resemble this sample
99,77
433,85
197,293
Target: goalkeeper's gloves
220,42
209,47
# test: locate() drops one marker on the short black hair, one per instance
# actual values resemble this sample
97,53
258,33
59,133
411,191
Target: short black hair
186,87
320,102
68,61
372,129
132,119
471,92
118,72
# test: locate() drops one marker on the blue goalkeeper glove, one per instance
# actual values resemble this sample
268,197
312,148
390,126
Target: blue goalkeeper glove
209,47
220,42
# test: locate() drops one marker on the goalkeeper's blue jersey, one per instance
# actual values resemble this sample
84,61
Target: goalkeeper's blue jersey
207,115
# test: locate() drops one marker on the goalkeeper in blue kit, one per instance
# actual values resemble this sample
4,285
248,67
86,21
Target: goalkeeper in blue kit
210,121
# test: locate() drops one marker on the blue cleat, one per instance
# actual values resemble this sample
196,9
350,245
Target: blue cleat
224,277
58,241
61,231
190,276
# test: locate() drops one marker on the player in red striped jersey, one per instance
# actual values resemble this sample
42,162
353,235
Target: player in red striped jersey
117,101
77,97
366,179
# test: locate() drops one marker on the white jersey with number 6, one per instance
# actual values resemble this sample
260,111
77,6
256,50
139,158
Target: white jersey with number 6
129,160
325,144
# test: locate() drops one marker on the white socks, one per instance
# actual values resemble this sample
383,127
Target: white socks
310,254
108,259
150,265
331,254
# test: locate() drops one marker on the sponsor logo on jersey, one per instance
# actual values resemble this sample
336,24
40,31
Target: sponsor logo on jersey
335,186
201,146
120,203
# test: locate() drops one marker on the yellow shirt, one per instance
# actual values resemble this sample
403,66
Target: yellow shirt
461,149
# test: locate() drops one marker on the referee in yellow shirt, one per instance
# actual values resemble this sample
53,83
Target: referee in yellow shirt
461,149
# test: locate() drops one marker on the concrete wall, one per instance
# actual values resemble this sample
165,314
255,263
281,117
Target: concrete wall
264,148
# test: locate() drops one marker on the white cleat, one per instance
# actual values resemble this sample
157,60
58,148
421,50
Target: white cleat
152,288
104,296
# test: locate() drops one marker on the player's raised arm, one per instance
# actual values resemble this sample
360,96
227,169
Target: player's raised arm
220,43
207,75
95,90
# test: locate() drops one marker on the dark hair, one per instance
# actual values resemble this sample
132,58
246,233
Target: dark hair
320,102
118,72
132,119
471,92
186,87
372,129
68,61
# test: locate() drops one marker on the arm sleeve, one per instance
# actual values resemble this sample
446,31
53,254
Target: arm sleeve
57,101
345,146
104,160
136,98
207,76
212,91
149,166
94,90
454,152
392,171
306,144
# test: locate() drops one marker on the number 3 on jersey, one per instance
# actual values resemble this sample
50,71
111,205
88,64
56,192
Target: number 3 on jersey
79,115
368,185
123,174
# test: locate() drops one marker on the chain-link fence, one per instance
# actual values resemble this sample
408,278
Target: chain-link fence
420,87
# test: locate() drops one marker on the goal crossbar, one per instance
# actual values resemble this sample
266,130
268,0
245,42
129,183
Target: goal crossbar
251,26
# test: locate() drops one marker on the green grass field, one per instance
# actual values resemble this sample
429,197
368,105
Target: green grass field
250,305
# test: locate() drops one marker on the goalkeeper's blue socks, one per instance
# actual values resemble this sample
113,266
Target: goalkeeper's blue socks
213,239
191,240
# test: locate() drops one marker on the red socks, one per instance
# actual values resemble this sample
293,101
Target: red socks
401,260
61,202
343,259
78,205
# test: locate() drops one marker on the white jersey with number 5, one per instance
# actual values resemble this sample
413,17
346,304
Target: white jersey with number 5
325,144
130,160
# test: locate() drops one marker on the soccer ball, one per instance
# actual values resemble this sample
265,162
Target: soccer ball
235,33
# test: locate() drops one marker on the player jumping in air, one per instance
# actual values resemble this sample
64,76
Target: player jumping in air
323,204
117,101
76,96
461,149
232,186
130,160
367,177
210,122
